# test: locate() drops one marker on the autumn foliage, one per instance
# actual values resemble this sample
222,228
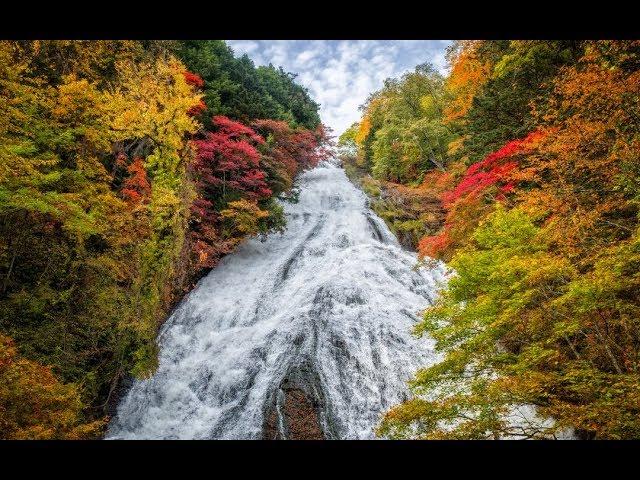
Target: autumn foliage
34,405
121,184
469,72
228,161
470,199
237,172
136,187
494,170
194,79
541,230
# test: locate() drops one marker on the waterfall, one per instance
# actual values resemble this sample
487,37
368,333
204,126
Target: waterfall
321,314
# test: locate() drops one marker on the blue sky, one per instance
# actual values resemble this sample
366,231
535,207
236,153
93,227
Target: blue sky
340,74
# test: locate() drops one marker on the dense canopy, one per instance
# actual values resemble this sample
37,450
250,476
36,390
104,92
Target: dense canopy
127,169
522,168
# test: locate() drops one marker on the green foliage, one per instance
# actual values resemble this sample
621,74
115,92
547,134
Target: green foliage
493,306
86,279
406,134
371,187
235,88
347,143
543,309
276,221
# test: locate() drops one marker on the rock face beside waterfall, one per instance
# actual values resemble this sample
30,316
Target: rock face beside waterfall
306,334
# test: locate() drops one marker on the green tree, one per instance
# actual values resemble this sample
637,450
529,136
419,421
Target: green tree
521,77
406,134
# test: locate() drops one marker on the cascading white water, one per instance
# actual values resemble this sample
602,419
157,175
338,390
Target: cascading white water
335,292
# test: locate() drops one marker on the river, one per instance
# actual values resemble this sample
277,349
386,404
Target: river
314,322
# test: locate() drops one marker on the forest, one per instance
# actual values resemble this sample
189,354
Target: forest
519,169
128,169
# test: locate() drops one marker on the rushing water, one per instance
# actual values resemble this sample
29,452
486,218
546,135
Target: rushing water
335,293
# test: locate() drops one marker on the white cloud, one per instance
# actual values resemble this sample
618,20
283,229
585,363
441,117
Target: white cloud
245,46
341,74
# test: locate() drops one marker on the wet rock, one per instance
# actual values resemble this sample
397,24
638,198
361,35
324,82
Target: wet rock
297,419
298,407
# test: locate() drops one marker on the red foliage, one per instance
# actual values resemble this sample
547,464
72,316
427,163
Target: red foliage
236,130
197,109
493,170
136,188
206,244
193,79
228,160
296,149
433,246
233,160
463,202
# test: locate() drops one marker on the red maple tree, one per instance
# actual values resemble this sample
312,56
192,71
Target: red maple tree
228,161
193,79
136,188
494,169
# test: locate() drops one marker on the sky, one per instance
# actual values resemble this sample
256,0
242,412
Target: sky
340,74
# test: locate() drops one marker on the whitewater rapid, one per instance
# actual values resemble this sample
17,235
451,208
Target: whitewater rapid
334,295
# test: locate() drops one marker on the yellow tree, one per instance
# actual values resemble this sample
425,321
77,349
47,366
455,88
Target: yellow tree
149,117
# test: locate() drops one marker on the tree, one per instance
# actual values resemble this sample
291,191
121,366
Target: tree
34,405
86,278
226,169
235,88
520,78
242,218
469,73
543,308
474,195
228,162
402,133
107,217
347,141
